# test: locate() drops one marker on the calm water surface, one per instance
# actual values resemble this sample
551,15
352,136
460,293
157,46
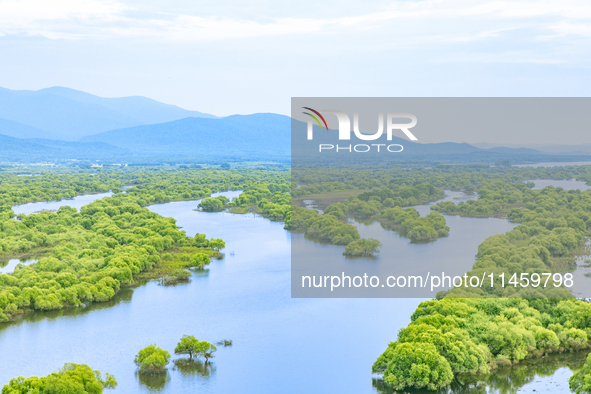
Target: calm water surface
555,164
76,202
452,255
567,184
280,344
7,267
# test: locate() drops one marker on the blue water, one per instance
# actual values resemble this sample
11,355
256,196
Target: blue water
566,184
281,345
12,263
76,202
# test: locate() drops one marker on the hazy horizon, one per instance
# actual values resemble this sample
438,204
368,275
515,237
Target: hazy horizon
236,58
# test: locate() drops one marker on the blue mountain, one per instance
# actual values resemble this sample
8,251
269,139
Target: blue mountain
18,130
257,136
70,114
42,150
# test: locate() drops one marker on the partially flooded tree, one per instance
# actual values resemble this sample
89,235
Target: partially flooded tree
194,347
363,247
152,359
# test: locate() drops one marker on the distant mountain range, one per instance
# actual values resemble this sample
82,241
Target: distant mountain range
580,149
42,150
256,136
306,153
60,124
68,114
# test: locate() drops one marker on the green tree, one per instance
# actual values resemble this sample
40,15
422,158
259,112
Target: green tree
207,350
70,379
199,260
417,365
214,204
363,247
580,382
194,347
188,345
217,244
152,359
201,241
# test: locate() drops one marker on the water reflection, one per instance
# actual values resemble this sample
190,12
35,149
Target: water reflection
193,367
76,202
311,204
153,381
8,266
548,374
583,270
566,184
246,297
123,296
199,273
452,255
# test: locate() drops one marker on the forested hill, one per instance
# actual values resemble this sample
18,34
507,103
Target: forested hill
68,114
16,150
306,152
257,136
240,138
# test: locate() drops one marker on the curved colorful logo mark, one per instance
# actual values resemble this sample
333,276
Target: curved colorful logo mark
315,118
345,124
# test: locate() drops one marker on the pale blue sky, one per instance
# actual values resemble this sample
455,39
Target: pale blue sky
244,57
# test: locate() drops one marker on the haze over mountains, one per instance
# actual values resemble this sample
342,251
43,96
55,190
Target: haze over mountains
68,114
61,124
580,149
254,136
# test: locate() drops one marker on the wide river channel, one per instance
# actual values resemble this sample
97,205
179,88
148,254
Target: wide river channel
281,345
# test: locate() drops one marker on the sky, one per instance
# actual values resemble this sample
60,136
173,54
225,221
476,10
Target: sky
244,57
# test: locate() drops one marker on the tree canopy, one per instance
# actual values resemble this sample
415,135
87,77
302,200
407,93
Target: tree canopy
152,359
70,379
194,347
580,382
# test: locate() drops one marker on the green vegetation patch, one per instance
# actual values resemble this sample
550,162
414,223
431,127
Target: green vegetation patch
194,347
458,336
152,359
70,379
580,382
89,254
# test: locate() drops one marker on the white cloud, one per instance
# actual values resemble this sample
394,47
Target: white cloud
430,20
56,18
572,29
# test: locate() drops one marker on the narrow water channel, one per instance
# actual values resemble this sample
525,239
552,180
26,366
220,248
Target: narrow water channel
280,344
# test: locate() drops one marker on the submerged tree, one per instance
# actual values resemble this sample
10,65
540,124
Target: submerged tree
208,350
363,247
152,359
192,346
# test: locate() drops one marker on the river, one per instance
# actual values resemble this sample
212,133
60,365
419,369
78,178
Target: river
280,344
